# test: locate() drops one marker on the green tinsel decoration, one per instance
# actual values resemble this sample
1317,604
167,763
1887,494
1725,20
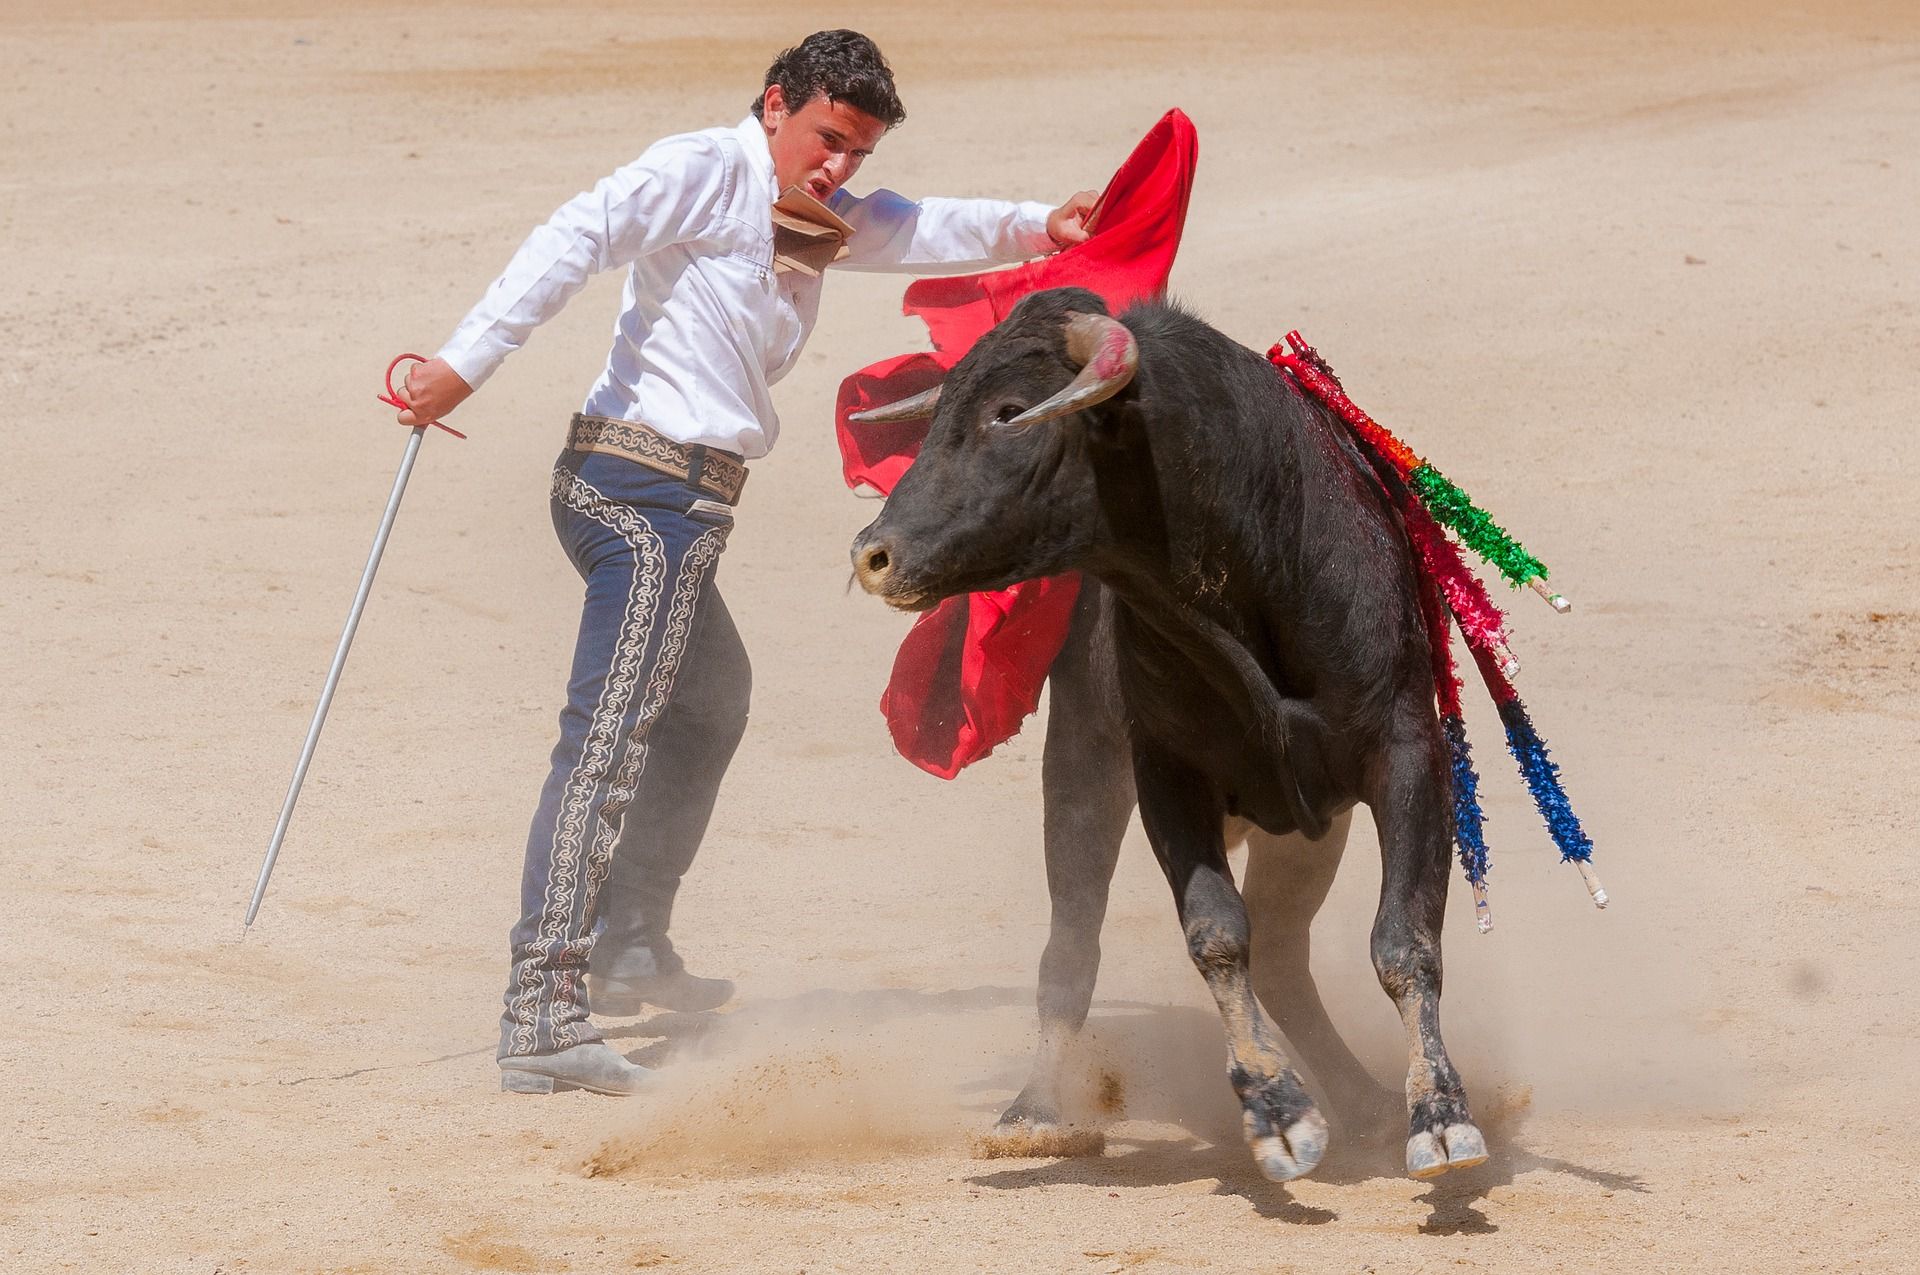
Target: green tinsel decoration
1451,507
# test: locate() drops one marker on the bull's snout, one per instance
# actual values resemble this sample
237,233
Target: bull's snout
872,564
876,564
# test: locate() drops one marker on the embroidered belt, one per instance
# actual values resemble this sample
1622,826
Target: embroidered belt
711,470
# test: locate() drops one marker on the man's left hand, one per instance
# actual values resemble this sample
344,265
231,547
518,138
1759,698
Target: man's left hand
1067,224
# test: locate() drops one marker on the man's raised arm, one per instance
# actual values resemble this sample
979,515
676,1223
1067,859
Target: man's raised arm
940,236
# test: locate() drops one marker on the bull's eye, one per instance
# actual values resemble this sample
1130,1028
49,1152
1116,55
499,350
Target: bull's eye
1007,411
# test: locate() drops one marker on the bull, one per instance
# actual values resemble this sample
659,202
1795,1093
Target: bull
1256,657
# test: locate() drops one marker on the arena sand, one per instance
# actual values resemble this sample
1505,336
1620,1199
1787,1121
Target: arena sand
1642,277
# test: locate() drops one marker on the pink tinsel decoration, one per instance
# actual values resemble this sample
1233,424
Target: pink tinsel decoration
1482,623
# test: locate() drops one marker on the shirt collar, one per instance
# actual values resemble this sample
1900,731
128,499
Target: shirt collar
753,140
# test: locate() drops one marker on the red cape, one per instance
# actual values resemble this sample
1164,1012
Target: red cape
970,671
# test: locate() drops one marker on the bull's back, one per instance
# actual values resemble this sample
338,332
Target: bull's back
1289,546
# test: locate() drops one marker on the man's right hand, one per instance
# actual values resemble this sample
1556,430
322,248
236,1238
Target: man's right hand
434,389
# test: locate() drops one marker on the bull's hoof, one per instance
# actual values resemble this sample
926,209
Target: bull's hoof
1036,1105
1431,1152
1285,1131
1017,1139
1466,1148
1293,1153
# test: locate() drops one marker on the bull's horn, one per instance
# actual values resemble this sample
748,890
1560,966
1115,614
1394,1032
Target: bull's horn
919,407
1108,357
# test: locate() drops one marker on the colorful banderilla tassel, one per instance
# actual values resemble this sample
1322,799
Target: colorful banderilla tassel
1468,835
1451,594
1442,498
1482,623
1543,778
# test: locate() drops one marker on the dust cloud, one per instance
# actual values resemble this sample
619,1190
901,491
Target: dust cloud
822,1077
1561,1011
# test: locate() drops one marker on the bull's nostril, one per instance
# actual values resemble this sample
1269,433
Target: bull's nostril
872,565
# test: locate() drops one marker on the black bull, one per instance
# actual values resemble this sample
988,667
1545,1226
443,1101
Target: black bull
1257,655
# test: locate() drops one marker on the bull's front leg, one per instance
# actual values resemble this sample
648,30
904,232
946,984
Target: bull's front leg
1088,786
1287,880
1182,813
1411,805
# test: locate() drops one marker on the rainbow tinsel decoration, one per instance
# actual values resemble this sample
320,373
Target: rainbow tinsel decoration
1451,594
1439,495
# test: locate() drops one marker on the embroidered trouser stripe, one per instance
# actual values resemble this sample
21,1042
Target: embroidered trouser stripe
597,770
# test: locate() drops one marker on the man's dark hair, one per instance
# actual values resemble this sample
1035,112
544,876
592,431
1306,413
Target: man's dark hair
844,65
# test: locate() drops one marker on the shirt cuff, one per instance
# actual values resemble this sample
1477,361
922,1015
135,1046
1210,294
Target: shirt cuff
475,361
1030,228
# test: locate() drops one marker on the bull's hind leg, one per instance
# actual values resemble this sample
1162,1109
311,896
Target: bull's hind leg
1287,880
1182,814
1412,808
1088,782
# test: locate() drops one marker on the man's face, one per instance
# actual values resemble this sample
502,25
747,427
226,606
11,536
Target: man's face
819,146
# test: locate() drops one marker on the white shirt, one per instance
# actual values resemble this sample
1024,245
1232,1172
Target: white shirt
706,325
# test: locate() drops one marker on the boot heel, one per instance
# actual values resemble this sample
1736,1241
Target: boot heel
512,1081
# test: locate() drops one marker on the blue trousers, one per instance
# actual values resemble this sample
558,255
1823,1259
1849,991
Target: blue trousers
656,705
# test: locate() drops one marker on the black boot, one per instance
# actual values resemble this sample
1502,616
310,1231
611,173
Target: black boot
679,990
634,964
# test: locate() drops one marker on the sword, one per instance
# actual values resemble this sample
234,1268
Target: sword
415,434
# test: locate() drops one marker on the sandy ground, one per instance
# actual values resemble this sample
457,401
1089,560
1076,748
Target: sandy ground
1643,278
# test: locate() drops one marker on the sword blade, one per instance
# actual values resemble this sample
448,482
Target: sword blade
333,674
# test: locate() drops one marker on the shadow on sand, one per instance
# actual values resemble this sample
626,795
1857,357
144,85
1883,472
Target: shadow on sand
1171,1056
1452,1200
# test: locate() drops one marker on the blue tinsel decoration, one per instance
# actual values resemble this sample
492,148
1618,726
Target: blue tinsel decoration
1467,817
1543,778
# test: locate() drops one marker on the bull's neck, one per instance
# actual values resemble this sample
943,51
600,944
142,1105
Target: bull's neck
1195,509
